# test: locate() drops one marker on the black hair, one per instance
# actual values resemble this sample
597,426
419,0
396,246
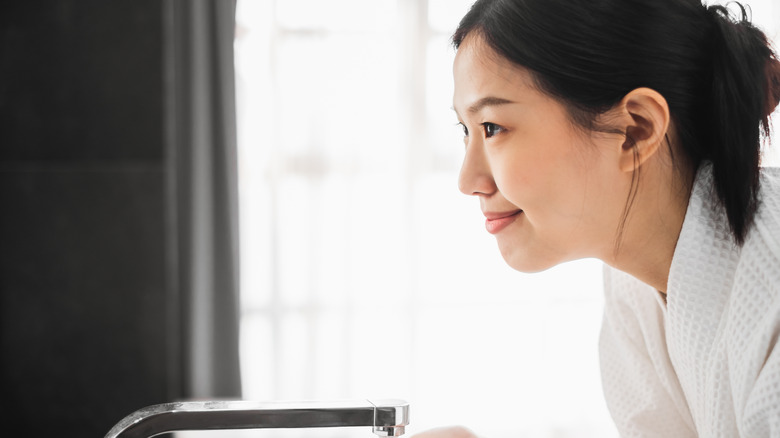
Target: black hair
716,71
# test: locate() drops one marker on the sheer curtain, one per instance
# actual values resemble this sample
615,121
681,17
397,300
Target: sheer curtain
203,195
365,273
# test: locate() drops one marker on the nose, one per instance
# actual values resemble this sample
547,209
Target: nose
475,175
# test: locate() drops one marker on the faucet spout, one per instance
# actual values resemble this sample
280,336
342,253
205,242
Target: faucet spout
388,418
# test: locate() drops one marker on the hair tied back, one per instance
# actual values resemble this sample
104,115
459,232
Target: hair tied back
744,92
724,21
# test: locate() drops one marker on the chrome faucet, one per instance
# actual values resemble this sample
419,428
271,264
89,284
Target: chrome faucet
387,417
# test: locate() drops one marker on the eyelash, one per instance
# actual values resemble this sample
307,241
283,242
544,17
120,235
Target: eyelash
485,127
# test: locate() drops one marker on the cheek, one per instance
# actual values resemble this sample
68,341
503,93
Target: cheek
548,172
556,196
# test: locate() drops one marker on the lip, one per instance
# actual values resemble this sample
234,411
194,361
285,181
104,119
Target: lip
497,221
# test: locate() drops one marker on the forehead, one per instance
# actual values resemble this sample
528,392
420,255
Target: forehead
480,71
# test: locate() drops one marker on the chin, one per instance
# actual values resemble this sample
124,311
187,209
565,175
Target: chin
527,260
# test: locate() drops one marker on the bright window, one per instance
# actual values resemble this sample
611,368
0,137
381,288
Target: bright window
365,273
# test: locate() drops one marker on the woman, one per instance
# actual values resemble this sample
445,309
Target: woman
630,131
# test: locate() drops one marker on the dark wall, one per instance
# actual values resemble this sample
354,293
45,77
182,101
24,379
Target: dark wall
88,317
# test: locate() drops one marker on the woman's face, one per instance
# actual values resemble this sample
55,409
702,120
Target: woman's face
550,192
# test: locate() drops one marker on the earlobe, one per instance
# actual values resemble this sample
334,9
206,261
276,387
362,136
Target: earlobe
647,116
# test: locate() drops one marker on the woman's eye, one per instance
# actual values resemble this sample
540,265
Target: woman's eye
465,129
491,129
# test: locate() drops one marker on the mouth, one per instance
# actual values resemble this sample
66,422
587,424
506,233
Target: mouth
497,221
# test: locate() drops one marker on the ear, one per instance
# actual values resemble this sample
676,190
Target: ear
646,116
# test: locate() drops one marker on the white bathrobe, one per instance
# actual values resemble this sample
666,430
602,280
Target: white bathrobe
707,364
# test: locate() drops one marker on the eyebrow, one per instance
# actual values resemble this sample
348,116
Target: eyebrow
485,102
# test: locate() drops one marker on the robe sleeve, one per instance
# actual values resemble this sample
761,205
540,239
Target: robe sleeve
754,350
761,417
640,386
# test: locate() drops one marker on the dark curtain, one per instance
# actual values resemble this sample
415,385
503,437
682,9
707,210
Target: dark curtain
202,148
118,215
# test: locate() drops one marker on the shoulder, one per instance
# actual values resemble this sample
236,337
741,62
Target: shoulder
757,280
754,311
767,225
760,255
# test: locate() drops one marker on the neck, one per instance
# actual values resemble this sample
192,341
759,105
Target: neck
654,223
